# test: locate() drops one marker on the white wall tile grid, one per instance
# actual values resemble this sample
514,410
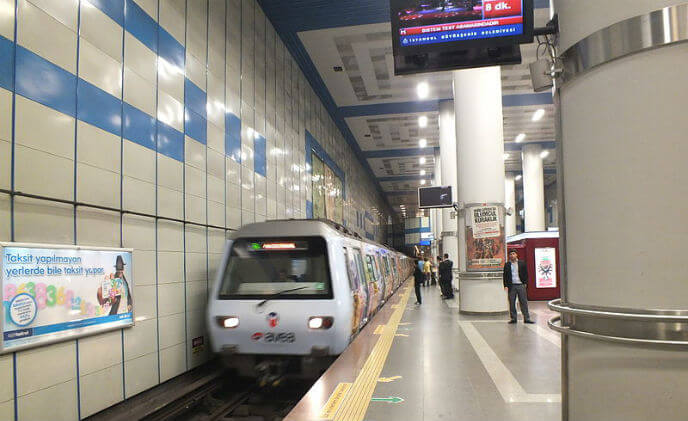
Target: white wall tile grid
186,109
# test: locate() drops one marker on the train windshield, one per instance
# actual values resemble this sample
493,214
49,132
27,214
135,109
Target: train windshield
288,267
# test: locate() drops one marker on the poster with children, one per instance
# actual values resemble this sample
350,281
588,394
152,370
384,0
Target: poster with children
53,293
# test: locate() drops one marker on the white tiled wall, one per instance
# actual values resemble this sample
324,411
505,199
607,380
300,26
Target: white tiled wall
53,147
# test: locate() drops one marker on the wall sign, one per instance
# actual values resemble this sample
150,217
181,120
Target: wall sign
55,293
545,267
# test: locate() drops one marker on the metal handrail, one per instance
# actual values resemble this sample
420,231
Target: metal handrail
640,315
565,330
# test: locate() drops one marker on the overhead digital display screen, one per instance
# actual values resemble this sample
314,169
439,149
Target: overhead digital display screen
435,197
432,25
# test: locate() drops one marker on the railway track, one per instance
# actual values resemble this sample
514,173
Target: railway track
234,399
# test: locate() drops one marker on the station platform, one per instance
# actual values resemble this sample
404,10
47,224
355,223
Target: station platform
429,362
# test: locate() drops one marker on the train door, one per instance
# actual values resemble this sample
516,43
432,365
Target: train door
389,276
380,275
359,293
395,271
374,288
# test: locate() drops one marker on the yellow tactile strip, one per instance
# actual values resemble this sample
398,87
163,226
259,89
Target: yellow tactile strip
356,401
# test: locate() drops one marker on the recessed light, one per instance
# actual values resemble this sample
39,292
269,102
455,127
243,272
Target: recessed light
422,172
423,89
422,182
422,121
518,177
544,154
422,143
537,115
506,156
520,138
422,160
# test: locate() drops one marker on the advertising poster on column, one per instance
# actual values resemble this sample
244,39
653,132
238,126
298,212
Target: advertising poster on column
484,238
545,267
54,293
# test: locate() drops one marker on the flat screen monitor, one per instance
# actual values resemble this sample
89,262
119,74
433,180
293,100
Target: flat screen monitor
435,197
422,26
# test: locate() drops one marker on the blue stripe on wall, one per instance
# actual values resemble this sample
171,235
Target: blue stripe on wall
520,100
113,8
170,49
6,63
259,155
417,230
406,178
390,108
512,146
195,126
170,142
140,25
41,81
233,137
99,108
309,209
194,97
400,152
139,127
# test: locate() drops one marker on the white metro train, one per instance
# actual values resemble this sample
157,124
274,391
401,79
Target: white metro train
291,295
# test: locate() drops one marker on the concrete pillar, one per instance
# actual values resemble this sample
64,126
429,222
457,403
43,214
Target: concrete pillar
533,188
437,228
450,241
623,215
510,203
480,150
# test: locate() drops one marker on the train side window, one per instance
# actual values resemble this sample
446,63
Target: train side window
352,270
359,265
386,265
394,266
370,269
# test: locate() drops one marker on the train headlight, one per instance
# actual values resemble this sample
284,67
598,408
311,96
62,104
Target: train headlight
229,322
320,322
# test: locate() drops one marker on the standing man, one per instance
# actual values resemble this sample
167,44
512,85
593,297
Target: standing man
417,281
427,269
445,271
515,278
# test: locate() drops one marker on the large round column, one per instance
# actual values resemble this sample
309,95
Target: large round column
624,177
533,188
510,203
437,213
450,241
480,150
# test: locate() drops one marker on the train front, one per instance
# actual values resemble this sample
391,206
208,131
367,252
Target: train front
273,308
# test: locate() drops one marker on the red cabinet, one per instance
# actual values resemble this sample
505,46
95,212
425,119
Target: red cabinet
540,251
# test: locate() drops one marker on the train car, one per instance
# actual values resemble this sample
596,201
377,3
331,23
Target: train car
291,295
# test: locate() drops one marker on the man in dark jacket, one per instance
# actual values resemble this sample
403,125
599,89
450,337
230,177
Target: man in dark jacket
515,278
418,279
445,272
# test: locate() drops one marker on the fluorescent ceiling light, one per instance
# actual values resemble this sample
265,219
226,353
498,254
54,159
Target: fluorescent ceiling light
520,138
544,154
422,143
422,172
506,156
422,182
537,115
422,160
518,177
423,90
422,121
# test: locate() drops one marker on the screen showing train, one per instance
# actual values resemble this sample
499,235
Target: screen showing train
424,24
435,197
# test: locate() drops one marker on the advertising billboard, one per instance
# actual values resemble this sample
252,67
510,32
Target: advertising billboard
54,293
485,239
545,267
